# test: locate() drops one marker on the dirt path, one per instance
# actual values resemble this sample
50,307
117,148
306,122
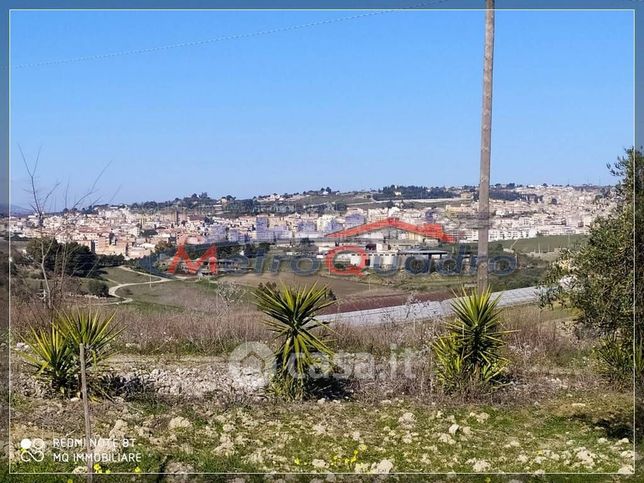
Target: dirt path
127,300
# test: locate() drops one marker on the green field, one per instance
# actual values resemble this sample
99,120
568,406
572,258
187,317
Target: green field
343,287
122,275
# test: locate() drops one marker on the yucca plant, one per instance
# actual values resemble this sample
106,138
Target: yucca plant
51,357
93,330
469,356
55,351
292,313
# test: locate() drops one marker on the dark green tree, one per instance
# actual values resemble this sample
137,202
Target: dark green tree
98,288
597,278
66,258
36,253
76,260
163,247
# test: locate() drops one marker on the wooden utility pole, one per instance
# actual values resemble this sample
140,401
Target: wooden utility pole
88,425
486,141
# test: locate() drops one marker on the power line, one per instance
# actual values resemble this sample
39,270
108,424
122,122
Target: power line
224,38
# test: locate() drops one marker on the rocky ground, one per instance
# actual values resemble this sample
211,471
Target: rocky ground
190,415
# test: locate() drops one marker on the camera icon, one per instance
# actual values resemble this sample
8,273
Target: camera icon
32,450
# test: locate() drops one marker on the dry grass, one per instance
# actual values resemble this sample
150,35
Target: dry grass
216,327
380,340
189,331
543,352
542,338
215,318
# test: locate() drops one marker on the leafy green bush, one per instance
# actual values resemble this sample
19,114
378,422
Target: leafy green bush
292,313
98,288
469,355
55,350
597,277
617,361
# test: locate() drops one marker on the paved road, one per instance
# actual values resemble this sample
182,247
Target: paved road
424,310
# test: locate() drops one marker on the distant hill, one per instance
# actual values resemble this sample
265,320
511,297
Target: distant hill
15,210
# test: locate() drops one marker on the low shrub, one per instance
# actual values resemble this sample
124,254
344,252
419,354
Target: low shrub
98,288
617,362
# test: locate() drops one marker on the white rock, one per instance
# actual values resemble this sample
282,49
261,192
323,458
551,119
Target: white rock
119,430
361,468
319,463
626,470
385,466
445,438
407,419
482,417
453,428
480,465
585,456
177,467
179,422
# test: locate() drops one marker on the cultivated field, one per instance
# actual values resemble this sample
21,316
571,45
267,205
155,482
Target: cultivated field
343,287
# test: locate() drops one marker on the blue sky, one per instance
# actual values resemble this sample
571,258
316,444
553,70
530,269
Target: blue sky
383,99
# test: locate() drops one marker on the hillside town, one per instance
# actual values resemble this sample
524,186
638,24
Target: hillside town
133,232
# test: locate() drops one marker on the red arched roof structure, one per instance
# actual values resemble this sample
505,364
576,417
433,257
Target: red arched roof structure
429,230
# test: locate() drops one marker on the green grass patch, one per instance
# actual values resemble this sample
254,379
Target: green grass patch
543,244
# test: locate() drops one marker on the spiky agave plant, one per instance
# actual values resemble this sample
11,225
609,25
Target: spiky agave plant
292,313
55,350
51,357
469,355
95,331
